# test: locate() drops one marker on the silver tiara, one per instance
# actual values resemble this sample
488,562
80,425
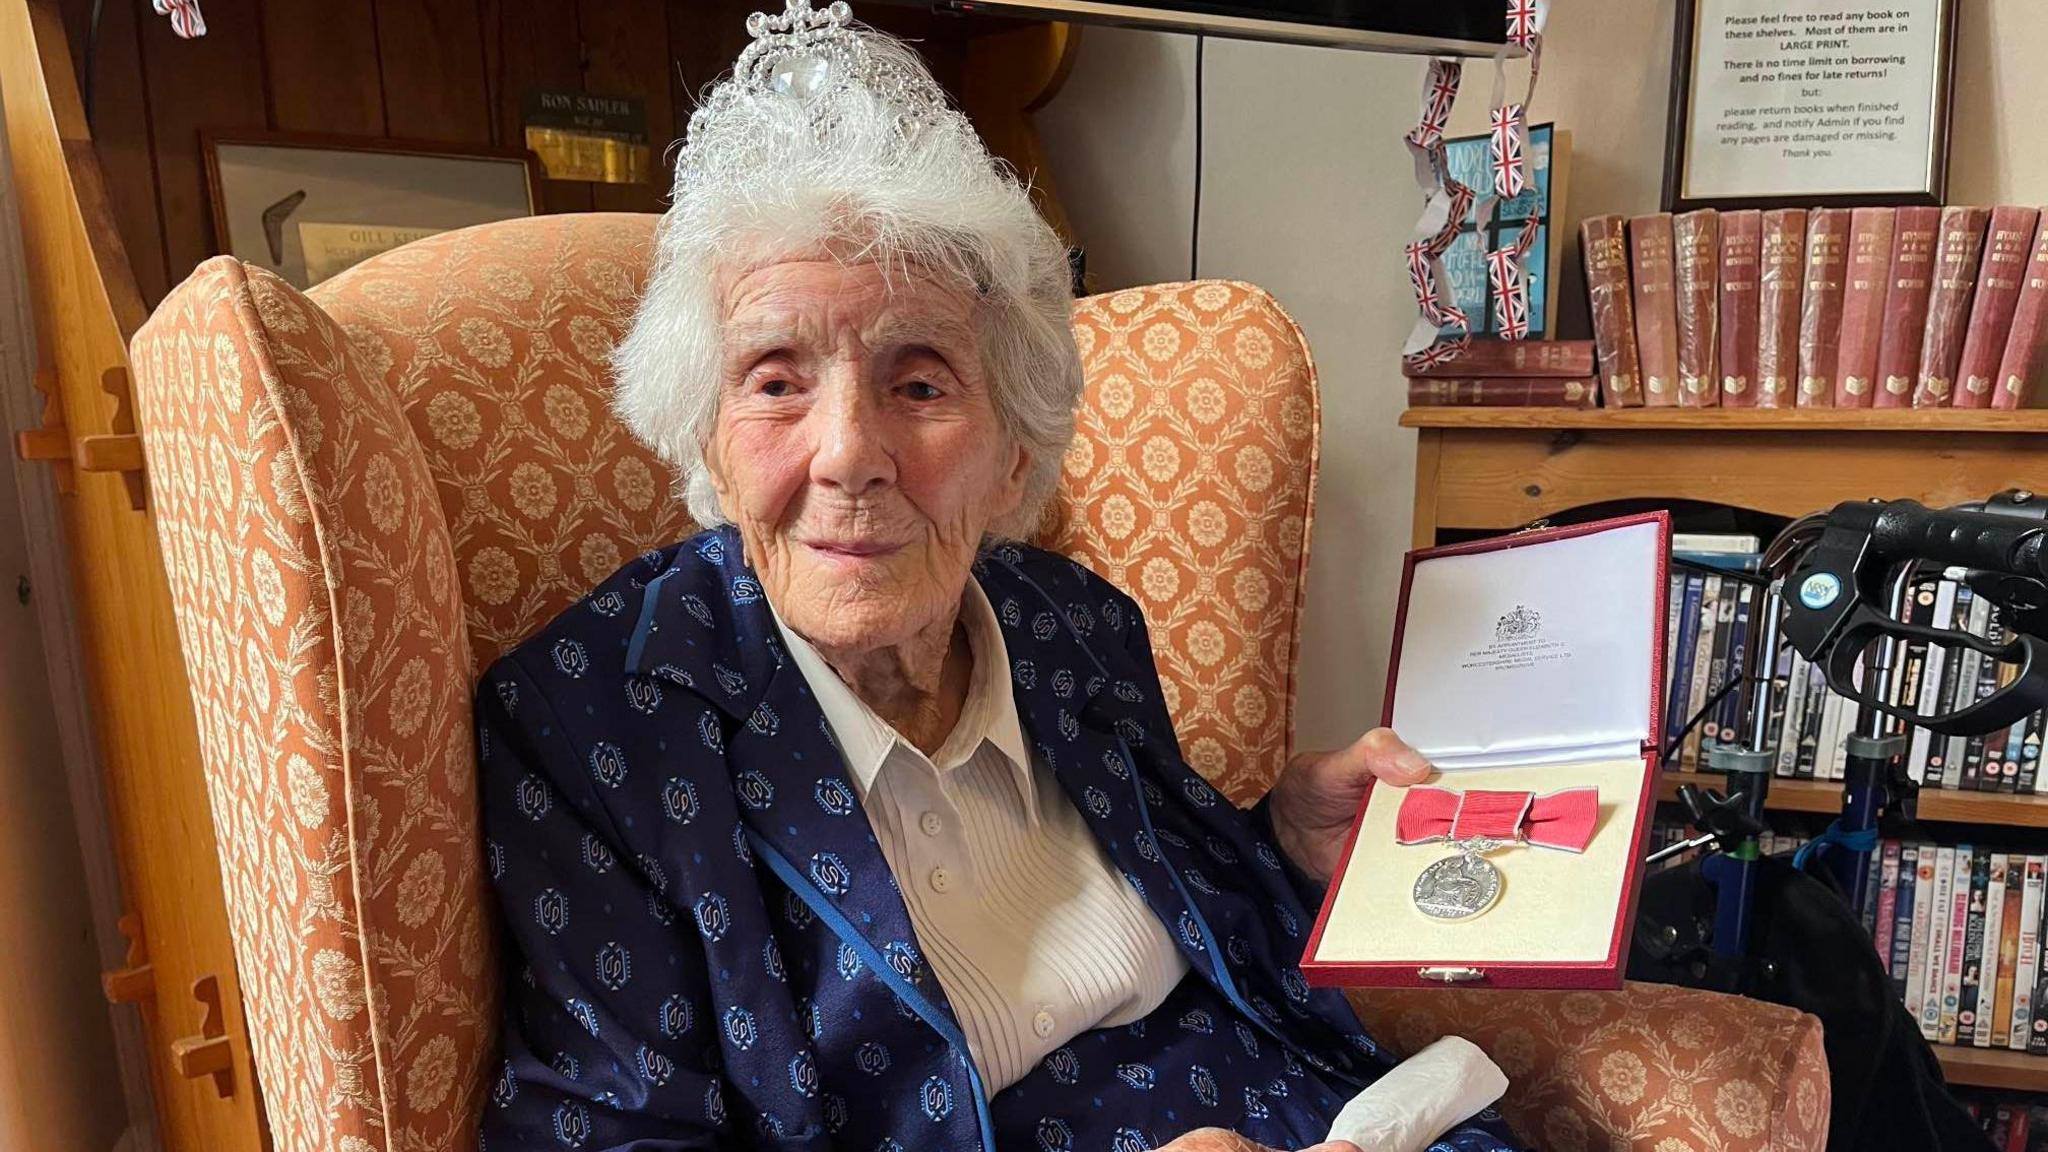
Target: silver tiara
801,53
814,65
808,53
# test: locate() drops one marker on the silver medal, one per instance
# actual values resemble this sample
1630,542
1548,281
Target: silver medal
1460,886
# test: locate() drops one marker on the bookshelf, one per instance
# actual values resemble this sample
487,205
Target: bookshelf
1993,1068
1920,421
1500,468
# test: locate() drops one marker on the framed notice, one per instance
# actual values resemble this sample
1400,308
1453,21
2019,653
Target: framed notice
1809,102
308,207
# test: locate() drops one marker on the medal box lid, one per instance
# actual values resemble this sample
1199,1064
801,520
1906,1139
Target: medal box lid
1532,664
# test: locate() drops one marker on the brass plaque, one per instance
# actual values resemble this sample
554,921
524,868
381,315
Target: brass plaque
334,248
578,136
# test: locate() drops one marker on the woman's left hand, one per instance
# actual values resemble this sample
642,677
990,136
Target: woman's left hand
1317,796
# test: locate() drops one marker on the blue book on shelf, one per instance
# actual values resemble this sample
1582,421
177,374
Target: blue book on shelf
1902,917
1687,641
1725,561
1465,259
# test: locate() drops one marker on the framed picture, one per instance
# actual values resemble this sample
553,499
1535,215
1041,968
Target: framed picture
1809,102
308,207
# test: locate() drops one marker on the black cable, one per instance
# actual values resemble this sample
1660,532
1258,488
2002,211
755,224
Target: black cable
1195,226
92,38
1673,741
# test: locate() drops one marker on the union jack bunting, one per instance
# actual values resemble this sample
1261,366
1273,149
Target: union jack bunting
1527,239
1421,278
1458,199
1441,194
186,21
1525,24
1507,151
1510,293
1507,274
1436,353
1440,91
1430,298
1442,328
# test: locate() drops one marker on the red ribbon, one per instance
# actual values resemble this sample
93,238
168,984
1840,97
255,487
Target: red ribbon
1564,819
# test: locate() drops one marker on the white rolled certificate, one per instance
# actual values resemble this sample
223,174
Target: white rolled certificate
1424,1097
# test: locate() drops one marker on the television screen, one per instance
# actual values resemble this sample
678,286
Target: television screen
1465,27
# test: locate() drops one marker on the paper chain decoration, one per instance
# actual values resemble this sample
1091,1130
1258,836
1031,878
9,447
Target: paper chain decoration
185,18
1507,151
1525,23
1446,201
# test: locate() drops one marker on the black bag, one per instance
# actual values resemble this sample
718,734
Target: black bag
1888,1090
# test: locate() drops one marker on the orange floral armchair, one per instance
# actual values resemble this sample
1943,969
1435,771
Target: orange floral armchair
366,493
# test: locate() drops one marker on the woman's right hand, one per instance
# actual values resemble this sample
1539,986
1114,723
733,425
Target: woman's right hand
1224,1140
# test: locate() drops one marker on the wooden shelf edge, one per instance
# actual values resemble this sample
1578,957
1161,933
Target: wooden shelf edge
1732,419
1823,796
2003,810
1993,1068
1985,808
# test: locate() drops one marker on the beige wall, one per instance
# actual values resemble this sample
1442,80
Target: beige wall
1307,190
60,1086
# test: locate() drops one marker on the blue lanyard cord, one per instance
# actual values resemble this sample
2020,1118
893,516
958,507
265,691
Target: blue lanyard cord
844,929
1861,840
1224,979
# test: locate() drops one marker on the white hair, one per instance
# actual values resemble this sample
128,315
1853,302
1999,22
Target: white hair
882,171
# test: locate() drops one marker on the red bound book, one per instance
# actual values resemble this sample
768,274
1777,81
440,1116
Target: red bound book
2029,328
1741,235
1603,242
1504,392
1820,305
1781,278
1905,304
2000,273
1696,278
1863,290
1649,245
1948,306
1515,358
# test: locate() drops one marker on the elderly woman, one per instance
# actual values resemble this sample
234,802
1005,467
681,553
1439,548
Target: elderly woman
852,822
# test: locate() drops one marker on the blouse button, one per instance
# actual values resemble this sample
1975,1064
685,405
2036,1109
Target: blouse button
1042,1024
931,823
941,880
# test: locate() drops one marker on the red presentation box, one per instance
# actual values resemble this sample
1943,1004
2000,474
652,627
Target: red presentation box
1529,669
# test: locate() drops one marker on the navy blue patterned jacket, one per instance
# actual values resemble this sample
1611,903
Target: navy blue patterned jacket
706,948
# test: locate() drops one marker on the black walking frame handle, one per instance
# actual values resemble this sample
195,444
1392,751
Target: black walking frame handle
1841,577
1837,599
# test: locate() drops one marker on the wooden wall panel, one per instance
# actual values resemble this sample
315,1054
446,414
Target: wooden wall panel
122,140
432,59
214,82
77,23
703,39
323,66
940,38
532,45
424,70
625,53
